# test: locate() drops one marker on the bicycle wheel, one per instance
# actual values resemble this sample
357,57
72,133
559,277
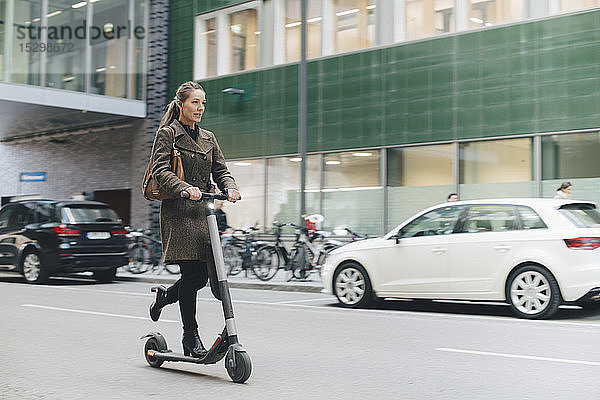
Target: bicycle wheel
232,255
140,259
266,262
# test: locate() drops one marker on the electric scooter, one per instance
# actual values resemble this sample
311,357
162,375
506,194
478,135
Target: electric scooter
237,360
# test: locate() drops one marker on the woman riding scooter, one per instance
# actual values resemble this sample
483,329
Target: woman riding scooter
183,225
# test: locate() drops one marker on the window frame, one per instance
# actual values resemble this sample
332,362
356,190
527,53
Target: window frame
222,51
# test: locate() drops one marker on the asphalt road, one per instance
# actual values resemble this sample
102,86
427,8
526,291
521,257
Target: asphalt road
75,339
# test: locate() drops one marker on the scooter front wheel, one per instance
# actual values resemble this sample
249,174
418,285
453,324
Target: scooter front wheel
238,366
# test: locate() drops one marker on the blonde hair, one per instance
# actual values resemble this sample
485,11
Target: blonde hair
183,92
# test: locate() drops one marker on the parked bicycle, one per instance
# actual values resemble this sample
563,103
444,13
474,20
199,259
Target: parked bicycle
243,253
305,256
143,259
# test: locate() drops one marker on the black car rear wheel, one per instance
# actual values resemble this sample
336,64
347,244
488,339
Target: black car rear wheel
105,275
32,267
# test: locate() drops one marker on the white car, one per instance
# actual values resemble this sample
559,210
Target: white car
535,254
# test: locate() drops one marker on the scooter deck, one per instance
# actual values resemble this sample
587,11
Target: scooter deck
172,356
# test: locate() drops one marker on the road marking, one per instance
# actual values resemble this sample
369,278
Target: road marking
92,312
299,301
506,355
399,313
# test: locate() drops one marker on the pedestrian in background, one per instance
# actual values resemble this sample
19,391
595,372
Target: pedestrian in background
564,191
452,197
183,224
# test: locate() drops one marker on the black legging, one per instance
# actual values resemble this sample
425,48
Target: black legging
194,276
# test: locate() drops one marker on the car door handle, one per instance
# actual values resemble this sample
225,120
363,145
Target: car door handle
502,248
438,250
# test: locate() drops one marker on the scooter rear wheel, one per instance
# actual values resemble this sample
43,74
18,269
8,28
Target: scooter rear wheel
153,344
243,366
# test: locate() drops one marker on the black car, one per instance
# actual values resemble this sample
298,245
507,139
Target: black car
42,238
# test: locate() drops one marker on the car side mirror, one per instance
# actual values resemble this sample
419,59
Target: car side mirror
398,238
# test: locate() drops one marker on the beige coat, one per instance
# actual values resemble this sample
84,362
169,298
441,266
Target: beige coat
183,226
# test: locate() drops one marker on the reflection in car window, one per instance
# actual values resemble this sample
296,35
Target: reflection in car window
5,216
23,215
46,212
489,218
437,222
530,219
76,214
584,215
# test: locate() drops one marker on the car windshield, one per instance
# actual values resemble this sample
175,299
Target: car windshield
584,215
81,214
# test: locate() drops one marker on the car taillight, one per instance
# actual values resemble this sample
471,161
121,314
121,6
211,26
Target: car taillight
583,243
62,230
120,232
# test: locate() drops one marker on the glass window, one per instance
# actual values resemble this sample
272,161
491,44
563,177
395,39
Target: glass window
572,5
573,158
24,214
429,17
243,30
530,219
108,36
582,215
293,29
489,218
211,47
354,24
26,35
65,68
437,222
493,12
5,216
46,212
283,188
417,177
206,62
250,177
498,168
352,191
82,214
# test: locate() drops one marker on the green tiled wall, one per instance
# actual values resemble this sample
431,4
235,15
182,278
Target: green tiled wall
531,77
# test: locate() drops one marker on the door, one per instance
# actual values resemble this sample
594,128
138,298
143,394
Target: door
13,219
416,263
481,249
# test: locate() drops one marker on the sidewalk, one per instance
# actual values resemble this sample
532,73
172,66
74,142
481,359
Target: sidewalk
279,282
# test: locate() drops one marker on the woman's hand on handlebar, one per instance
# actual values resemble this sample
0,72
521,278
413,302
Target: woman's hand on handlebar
195,193
233,195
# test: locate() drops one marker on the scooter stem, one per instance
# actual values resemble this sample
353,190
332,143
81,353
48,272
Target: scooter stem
217,251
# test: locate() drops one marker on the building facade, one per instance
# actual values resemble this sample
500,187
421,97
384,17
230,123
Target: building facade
408,100
82,87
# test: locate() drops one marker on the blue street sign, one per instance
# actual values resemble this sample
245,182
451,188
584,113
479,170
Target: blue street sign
33,176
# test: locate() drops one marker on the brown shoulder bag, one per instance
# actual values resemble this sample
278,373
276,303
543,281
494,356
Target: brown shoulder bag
150,187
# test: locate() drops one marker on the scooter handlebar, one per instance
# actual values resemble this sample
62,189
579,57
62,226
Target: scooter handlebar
206,196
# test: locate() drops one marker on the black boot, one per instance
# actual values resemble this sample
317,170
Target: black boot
159,302
192,345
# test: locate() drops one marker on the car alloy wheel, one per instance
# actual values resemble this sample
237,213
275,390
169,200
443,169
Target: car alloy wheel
533,292
32,267
530,292
352,286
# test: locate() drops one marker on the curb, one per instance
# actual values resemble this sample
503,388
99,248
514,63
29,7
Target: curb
237,285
